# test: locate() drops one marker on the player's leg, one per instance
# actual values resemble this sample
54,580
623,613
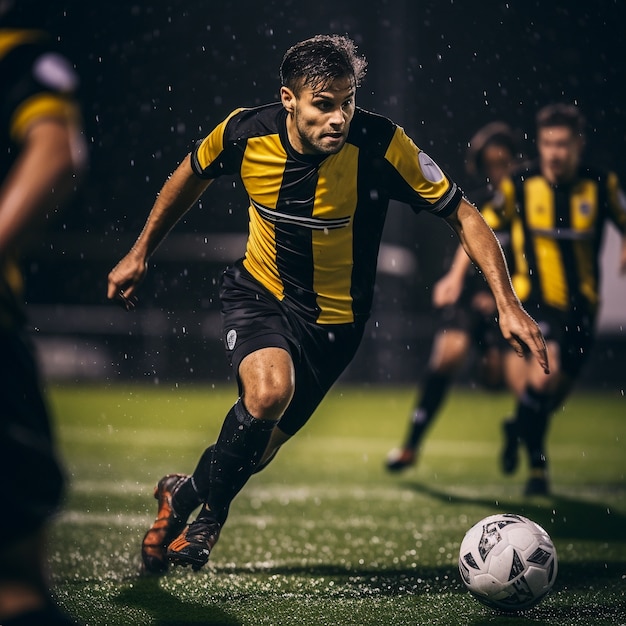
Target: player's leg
450,349
33,491
532,413
515,375
267,382
243,446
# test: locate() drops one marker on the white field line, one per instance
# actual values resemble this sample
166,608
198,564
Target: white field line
171,438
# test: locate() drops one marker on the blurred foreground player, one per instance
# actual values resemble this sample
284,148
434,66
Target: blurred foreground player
42,150
319,173
466,308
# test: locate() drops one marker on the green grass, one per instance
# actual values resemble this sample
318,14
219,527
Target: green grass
325,535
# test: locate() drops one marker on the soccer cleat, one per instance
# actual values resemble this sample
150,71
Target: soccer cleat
510,459
400,458
166,526
537,484
193,546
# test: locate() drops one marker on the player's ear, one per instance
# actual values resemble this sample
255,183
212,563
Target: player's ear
288,98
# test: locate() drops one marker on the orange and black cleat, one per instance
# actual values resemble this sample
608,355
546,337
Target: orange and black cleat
165,528
193,546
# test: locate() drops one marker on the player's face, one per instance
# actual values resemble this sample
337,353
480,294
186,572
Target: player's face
559,152
496,163
318,121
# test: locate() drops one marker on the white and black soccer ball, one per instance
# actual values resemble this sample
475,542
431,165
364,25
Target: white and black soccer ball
508,562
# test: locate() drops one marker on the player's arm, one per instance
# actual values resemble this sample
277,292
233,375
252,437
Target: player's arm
181,190
448,288
482,246
40,180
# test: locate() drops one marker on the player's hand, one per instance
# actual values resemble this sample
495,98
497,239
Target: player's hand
522,332
447,290
124,278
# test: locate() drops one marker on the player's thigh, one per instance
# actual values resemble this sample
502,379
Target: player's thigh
450,348
538,379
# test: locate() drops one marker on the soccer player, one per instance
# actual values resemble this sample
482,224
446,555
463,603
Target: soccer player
42,151
556,211
465,306
319,173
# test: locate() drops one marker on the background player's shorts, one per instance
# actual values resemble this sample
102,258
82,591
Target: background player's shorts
482,328
252,319
573,331
33,479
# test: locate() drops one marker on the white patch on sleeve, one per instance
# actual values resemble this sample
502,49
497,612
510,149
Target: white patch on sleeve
432,172
55,71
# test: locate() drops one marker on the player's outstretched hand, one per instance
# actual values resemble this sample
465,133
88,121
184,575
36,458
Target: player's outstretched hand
523,333
124,278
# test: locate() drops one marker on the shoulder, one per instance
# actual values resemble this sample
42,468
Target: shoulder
244,123
34,57
371,130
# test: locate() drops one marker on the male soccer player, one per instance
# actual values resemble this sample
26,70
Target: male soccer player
42,151
555,210
319,173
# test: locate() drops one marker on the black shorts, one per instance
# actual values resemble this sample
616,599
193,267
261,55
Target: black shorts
483,329
33,476
573,331
252,318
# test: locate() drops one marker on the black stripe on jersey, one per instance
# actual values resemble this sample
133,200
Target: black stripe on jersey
293,240
368,224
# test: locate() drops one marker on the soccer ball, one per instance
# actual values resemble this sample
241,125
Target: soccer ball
508,562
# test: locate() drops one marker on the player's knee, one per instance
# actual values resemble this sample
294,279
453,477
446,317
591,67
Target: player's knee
269,399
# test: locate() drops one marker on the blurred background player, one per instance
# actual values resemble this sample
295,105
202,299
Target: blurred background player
555,211
42,150
467,310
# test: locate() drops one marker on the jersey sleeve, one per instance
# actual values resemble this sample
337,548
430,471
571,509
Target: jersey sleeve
210,157
617,202
45,87
420,182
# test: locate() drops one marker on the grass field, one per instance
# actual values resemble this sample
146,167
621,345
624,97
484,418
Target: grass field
325,535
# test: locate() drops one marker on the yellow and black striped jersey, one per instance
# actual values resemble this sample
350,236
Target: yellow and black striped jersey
556,233
36,82
315,222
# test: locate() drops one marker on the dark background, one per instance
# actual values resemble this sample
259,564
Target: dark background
157,76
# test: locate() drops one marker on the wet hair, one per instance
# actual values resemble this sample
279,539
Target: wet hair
317,61
492,134
561,114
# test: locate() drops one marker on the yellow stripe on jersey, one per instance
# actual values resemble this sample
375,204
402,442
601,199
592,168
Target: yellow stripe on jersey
584,215
402,154
520,278
540,217
213,143
38,107
11,38
263,189
335,197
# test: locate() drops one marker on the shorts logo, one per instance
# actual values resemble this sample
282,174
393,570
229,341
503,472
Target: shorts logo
231,338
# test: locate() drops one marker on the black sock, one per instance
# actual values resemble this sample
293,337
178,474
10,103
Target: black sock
532,421
236,454
193,491
435,388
